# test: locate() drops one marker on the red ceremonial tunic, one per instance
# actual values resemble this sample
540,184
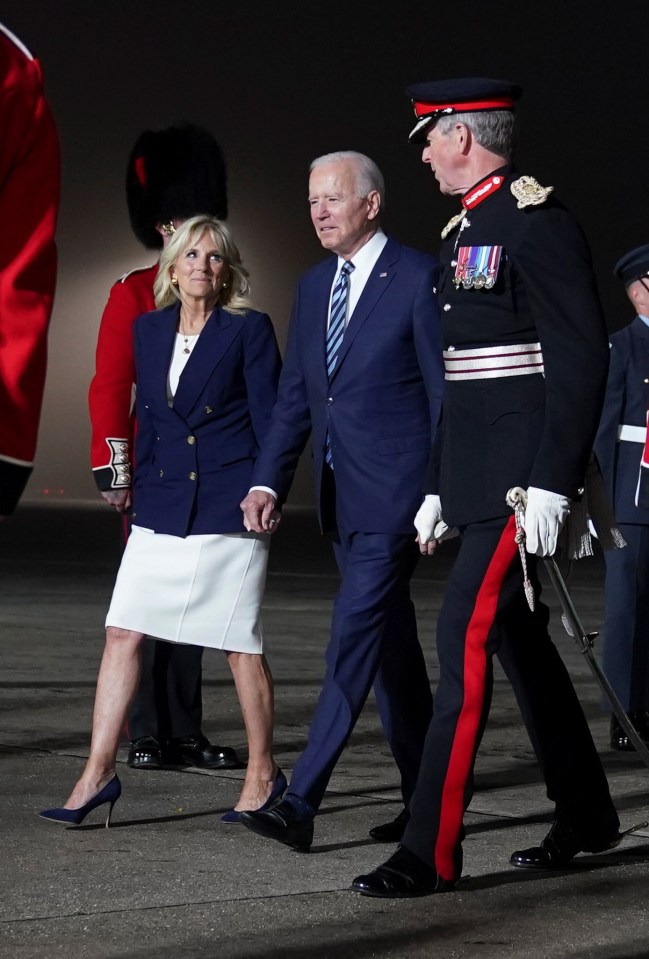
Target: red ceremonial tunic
111,391
29,197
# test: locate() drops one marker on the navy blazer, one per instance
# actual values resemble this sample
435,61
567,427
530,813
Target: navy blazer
382,403
194,459
626,402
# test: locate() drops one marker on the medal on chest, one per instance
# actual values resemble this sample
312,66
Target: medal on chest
477,267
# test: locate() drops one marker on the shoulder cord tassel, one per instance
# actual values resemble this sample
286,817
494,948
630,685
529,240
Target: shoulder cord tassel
517,499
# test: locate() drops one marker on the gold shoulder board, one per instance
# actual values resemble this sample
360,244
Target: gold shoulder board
529,192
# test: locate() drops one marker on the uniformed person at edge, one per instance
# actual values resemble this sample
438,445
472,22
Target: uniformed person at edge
619,446
526,356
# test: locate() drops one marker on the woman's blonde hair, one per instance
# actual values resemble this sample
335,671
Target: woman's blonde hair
233,297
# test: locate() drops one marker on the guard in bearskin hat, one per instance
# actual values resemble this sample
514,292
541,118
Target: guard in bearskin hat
172,174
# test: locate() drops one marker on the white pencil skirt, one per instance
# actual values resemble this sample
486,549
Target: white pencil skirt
203,590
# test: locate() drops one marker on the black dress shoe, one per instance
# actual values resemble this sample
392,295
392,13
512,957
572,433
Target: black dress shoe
281,823
145,753
403,876
619,737
198,751
392,831
561,845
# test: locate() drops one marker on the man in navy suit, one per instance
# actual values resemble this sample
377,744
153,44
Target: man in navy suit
619,446
363,375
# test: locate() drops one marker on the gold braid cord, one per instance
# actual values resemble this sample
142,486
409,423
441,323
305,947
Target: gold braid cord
452,223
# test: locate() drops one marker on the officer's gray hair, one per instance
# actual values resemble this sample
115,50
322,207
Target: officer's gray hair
493,129
368,175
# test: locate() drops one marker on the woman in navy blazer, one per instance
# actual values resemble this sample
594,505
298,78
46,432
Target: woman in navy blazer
206,370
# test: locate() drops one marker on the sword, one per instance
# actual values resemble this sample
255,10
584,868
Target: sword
517,498
585,641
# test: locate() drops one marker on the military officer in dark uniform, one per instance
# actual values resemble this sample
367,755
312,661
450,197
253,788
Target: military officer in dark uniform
526,356
619,447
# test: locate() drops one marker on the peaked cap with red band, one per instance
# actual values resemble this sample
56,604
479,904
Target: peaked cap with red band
173,174
464,95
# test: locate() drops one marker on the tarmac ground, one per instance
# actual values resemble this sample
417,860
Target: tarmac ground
168,879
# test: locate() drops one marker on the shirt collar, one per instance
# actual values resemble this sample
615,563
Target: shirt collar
368,254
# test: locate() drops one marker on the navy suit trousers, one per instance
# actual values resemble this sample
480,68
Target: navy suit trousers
373,642
626,619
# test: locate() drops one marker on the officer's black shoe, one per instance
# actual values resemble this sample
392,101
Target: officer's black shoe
145,753
392,831
198,751
403,876
561,845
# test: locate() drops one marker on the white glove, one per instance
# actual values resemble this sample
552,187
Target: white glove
545,515
429,522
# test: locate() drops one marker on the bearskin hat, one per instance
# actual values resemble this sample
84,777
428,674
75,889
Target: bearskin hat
174,173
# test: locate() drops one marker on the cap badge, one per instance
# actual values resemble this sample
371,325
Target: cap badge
529,192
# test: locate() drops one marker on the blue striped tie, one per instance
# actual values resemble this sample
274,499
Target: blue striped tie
337,316
336,331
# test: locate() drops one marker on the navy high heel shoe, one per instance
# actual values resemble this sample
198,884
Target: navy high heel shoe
280,784
74,817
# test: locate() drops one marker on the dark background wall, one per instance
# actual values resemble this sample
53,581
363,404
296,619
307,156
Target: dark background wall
279,83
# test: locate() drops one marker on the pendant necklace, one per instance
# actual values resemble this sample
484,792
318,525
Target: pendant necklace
185,337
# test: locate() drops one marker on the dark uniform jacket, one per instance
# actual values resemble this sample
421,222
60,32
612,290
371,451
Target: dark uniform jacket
194,459
533,430
626,403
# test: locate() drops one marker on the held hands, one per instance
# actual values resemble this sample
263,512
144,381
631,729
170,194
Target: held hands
119,498
545,515
430,525
259,513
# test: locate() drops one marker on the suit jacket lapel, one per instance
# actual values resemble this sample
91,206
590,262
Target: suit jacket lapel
215,339
378,281
159,350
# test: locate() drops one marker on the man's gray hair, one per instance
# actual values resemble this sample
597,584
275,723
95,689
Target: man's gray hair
493,129
368,175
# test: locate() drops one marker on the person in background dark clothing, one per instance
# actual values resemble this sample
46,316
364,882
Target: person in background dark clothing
619,447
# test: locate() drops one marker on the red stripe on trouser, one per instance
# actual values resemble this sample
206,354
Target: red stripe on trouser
475,660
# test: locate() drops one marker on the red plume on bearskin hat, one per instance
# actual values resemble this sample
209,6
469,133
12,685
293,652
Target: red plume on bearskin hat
173,174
